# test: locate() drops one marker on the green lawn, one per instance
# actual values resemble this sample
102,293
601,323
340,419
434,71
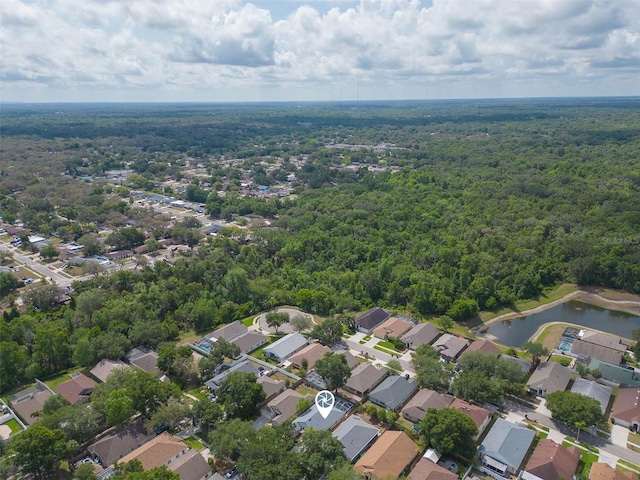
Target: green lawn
589,456
625,466
561,359
247,322
388,346
197,393
193,443
385,350
52,383
14,426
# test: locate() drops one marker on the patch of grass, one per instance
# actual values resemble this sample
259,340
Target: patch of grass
561,359
366,338
623,465
52,383
14,426
247,322
550,336
304,390
634,437
362,342
388,345
384,350
193,443
197,393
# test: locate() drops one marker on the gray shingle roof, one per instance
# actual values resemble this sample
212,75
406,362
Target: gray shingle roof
229,332
286,346
507,442
393,392
355,435
242,365
364,377
420,334
550,377
600,393
372,318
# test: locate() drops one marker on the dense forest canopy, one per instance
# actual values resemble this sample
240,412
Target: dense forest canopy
465,205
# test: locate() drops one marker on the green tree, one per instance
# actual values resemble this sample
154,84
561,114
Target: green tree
277,319
446,322
170,415
269,455
49,252
536,351
229,439
430,372
118,406
84,472
92,245
240,394
38,450
334,369
474,386
205,414
13,362
44,297
463,309
8,283
394,367
320,453
328,332
574,409
300,323
449,431
303,405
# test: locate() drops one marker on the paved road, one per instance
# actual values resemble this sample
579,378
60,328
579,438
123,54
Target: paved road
21,258
586,437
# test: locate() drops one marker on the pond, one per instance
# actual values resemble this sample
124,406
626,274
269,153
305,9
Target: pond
516,331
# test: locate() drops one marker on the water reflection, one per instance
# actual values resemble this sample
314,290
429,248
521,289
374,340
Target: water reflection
516,331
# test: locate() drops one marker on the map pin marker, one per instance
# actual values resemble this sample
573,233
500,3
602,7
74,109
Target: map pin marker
324,402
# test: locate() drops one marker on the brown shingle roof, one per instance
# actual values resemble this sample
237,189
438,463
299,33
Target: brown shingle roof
450,346
393,327
627,405
190,466
33,403
283,407
478,414
482,346
102,370
420,334
601,352
551,461
602,471
77,389
427,470
388,457
312,353
416,409
270,386
156,452
111,448
365,377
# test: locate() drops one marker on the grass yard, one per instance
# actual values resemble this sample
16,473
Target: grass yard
247,322
384,350
550,336
634,438
14,426
304,390
52,383
194,443
625,466
561,359
388,346
197,393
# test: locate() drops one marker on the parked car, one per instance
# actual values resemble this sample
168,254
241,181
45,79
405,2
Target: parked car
28,281
232,473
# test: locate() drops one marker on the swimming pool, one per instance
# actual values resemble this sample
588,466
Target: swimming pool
565,344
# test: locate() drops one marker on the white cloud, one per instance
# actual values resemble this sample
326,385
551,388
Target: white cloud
237,50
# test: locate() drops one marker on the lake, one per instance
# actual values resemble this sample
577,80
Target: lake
516,331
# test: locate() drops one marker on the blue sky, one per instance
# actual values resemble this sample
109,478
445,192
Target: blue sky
271,50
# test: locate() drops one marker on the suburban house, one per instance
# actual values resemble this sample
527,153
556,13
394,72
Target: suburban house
425,469
551,461
76,390
240,365
364,378
370,319
118,255
416,409
597,391
388,457
104,367
393,392
249,341
282,349
450,346
312,353
29,401
113,447
356,436
504,448
480,416
313,419
624,375
598,345
626,408
270,386
165,449
393,327
549,377
423,333
482,346
351,360
602,471
145,359
228,332
283,407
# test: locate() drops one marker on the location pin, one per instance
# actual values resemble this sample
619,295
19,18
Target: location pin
324,402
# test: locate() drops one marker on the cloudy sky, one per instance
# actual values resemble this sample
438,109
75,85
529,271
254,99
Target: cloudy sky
271,50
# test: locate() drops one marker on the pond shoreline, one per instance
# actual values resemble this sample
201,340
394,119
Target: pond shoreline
631,307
